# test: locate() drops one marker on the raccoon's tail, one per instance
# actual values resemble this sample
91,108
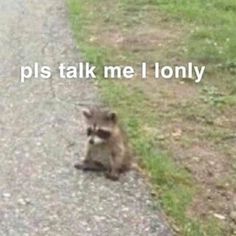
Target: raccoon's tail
137,167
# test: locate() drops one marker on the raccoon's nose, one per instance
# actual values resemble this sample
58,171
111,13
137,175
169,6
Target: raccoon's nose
91,141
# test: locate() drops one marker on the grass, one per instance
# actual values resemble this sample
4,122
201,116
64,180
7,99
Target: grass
213,35
100,26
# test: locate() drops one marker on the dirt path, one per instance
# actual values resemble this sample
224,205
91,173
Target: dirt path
41,131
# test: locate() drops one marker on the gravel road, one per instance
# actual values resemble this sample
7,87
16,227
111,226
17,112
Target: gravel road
42,135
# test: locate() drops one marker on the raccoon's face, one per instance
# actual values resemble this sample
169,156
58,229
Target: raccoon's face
97,135
100,125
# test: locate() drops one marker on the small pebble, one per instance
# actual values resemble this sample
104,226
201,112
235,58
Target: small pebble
6,195
219,216
23,202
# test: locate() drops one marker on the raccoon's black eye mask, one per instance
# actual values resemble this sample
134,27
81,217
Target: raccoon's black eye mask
103,134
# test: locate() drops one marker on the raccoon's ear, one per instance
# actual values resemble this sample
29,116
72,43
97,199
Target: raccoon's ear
87,113
112,116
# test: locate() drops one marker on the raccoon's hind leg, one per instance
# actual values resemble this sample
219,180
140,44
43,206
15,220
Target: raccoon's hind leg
112,175
114,170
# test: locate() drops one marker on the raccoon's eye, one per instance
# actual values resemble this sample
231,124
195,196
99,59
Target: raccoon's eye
89,131
104,134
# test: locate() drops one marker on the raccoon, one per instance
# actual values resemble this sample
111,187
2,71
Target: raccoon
107,148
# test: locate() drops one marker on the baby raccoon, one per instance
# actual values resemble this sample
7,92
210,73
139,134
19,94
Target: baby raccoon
107,148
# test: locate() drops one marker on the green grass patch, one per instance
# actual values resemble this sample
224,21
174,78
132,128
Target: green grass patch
212,36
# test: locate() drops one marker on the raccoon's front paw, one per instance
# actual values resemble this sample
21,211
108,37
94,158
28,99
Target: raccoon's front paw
83,166
79,166
112,175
